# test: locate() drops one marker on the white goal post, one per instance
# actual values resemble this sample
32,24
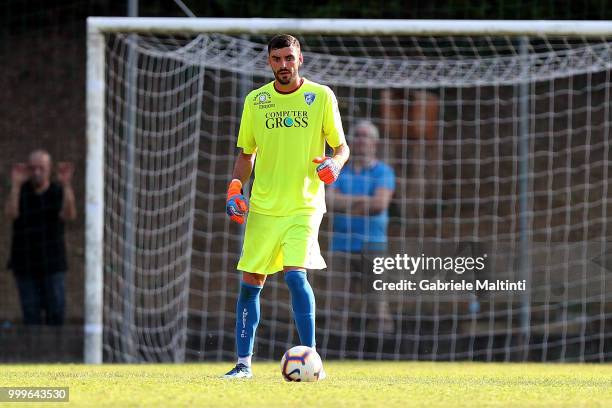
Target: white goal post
595,35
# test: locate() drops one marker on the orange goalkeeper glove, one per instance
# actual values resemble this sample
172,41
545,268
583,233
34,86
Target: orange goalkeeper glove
236,205
328,169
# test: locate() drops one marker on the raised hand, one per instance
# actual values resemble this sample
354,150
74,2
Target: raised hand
19,174
65,171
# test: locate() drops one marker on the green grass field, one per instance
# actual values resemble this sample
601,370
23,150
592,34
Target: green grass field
349,384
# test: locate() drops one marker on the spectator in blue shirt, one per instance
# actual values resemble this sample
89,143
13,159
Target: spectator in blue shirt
360,200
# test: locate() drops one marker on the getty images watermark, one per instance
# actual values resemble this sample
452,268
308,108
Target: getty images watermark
548,272
405,264
440,268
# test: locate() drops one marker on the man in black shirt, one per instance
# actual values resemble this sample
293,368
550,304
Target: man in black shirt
38,208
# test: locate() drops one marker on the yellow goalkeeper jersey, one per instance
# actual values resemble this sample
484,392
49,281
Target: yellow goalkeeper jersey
287,131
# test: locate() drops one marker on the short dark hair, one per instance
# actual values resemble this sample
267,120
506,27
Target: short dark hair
283,41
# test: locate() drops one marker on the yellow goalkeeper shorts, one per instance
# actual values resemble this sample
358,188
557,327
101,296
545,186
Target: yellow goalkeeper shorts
273,242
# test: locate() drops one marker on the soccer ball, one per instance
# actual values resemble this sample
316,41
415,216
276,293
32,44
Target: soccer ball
301,363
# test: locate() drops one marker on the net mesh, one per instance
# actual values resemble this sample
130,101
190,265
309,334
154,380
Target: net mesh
500,146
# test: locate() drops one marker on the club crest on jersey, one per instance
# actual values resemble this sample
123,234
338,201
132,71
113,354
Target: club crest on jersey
309,97
263,100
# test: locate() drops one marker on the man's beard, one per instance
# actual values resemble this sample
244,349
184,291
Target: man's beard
287,81
362,157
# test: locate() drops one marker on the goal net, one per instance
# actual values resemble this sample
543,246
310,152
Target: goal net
500,145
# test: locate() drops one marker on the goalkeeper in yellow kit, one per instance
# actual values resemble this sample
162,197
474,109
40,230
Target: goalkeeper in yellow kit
285,124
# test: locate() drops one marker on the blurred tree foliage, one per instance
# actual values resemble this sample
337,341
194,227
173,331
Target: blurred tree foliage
32,14
433,9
